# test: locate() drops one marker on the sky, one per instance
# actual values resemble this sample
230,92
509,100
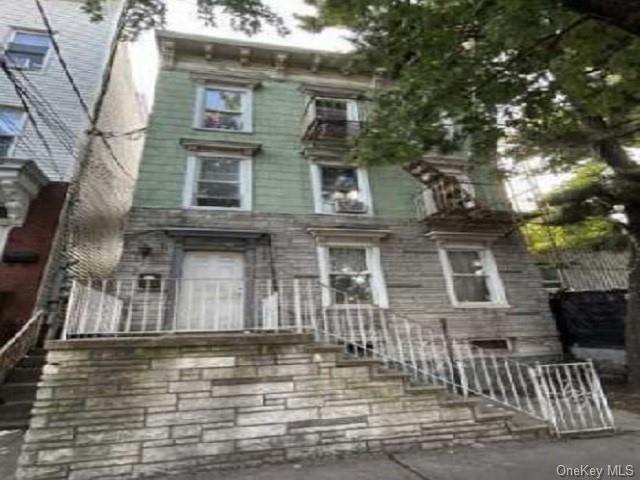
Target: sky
182,17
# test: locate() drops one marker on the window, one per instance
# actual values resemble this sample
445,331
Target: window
353,273
349,276
335,109
340,189
472,277
225,109
218,182
28,50
11,124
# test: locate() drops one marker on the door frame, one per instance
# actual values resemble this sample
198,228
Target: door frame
247,247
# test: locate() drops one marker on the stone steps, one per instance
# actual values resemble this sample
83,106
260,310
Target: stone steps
18,392
157,406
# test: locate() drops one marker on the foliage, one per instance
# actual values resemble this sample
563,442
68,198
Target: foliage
532,71
248,16
595,233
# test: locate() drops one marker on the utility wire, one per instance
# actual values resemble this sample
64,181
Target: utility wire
98,104
22,96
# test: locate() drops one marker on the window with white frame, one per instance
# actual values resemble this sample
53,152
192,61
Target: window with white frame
224,109
28,50
472,276
11,124
341,189
353,274
218,182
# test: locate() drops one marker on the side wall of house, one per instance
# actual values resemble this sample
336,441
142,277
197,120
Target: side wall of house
107,179
84,46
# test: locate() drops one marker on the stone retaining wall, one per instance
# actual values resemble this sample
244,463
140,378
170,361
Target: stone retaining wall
127,408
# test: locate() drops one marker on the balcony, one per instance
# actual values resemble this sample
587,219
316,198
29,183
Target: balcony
444,200
331,120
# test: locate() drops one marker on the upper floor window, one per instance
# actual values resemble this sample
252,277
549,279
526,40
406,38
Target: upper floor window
341,189
472,276
331,118
11,124
218,182
224,109
28,50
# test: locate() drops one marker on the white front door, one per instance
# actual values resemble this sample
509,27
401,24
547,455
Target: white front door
211,295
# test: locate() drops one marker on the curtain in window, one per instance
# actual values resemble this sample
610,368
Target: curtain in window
349,275
469,276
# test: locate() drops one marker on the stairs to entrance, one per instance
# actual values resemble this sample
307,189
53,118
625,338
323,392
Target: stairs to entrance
18,392
134,407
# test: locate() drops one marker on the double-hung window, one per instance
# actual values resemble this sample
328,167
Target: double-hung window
218,182
340,189
28,50
472,277
224,109
352,275
11,124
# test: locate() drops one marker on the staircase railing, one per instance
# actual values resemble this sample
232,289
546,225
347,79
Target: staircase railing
19,345
568,396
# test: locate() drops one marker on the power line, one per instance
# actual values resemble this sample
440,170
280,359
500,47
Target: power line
19,89
104,86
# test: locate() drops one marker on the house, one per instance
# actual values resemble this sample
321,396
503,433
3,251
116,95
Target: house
275,302
244,180
44,145
64,190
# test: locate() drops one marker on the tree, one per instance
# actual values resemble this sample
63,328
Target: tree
559,79
576,215
248,16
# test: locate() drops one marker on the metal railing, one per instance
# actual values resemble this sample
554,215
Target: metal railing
319,128
468,198
19,345
555,393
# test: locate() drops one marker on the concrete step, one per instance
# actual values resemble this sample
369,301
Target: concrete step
17,391
322,348
425,389
24,375
386,374
33,361
15,411
357,362
20,424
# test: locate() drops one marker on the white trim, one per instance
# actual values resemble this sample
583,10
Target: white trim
374,265
363,187
246,182
494,282
247,107
30,31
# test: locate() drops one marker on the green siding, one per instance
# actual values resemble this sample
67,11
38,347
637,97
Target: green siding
281,175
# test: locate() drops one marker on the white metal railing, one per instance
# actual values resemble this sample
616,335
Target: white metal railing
567,396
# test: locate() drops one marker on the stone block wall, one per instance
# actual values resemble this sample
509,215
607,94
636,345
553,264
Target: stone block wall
129,408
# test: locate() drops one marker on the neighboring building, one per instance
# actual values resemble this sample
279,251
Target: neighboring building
244,177
588,295
35,174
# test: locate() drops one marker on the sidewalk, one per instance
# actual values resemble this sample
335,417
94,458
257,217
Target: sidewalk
534,460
